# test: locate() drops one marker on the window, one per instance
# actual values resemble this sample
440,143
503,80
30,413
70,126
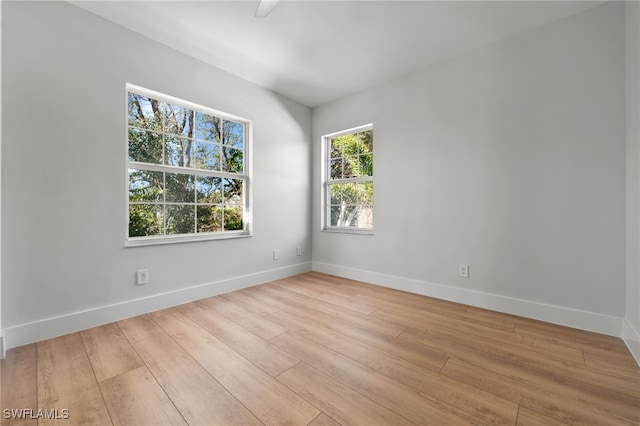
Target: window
188,174
348,183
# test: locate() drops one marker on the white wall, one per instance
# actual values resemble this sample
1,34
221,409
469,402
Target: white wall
64,265
632,311
510,158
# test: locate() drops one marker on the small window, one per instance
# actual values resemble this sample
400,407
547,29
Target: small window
348,182
188,174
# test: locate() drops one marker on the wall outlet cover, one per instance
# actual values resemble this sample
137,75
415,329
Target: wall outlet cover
463,270
142,277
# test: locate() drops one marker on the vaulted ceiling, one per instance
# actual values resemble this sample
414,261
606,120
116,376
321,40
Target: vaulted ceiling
318,51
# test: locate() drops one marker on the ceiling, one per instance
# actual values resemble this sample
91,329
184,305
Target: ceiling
316,52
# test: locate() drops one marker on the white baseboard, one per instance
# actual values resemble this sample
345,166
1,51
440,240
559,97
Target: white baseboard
57,326
561,315
631,337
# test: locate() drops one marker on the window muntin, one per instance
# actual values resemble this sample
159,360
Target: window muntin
187,170
348,194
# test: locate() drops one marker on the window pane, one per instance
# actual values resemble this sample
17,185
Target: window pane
233,218
350,216
335,215
365,217
343,215
181,219
346,193
366,142
335,194
350,193
350,156
232,160
365,193
209,189
145,112
145,220
335,168
180,188
351,205
349,168
178,151
233,134
336,148
233,189
209,219
145,147
207,127
178,121
145,185
207,156
350,145
365,165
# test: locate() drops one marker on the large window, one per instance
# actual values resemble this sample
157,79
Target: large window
348,183
188,174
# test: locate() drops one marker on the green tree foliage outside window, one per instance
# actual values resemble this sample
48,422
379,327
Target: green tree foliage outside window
186,169
350,185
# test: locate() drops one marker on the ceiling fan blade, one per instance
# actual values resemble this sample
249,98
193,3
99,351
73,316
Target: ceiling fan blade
265,7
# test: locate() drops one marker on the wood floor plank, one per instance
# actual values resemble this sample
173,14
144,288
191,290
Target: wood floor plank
465,347
324,420
19,385
556,402
479,404
340,402
326,294
619,394
257,350
139,328
247,300
326,313
570,337
327,309
252,322
527,417
270,401
492,339
399,398
476,317
66,382
412,352
321,281
615,363
110,353
198,396
557,405
135,398
493,319
399,296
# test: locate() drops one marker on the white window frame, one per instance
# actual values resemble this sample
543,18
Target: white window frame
246,176
326,181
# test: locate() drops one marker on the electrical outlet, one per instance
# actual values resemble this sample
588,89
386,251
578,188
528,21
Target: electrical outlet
276,255
142,277
463,270
299,251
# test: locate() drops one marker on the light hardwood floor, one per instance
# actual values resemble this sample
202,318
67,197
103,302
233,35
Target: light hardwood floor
320,350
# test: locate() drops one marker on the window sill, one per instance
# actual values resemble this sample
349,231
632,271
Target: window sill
357,231
161,240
